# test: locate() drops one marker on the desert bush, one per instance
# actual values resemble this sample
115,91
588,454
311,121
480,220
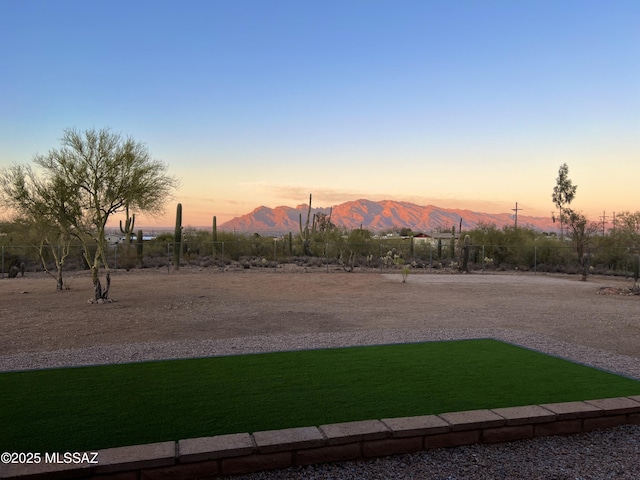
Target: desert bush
405,271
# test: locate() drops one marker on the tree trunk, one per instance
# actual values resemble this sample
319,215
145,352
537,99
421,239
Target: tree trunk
59,282
97,287
59,259
100,294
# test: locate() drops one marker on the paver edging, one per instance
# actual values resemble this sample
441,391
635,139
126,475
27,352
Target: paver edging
244,452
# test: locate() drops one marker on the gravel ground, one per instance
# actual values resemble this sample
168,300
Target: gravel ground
606,454
134,352
199,314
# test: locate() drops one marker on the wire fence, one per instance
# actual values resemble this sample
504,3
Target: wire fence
372,256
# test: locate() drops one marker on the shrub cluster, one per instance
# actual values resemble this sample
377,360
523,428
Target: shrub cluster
490,248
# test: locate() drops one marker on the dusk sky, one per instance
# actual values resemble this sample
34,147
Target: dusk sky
459,104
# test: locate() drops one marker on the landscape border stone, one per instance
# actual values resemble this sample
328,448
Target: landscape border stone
245,453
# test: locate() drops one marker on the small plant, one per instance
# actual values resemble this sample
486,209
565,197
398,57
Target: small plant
406,270
13,272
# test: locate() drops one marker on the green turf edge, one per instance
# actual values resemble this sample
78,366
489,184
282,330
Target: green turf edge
95,407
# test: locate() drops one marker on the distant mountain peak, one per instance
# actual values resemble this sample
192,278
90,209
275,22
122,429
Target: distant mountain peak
376,216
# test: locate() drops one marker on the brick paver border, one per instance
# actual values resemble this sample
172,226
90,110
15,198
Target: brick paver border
244,453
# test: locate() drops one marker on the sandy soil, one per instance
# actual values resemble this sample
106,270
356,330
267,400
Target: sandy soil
209,304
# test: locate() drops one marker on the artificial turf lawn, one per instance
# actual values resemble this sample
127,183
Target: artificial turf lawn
88,408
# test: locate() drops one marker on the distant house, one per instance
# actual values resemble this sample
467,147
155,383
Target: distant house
119,239
114,239
433,237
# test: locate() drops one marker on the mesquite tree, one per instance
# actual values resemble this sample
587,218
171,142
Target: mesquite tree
103,173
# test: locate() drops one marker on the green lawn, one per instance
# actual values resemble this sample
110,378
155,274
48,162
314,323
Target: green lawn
88,408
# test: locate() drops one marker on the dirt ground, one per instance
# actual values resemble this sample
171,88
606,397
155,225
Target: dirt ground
209,304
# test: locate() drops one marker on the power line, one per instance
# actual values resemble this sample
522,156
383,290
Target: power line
614,222
516,216
603,217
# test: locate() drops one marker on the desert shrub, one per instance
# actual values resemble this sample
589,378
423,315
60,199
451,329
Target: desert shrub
607,253
315,262
424,251
233,245
157,262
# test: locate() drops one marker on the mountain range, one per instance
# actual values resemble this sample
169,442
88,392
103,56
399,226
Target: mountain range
378,216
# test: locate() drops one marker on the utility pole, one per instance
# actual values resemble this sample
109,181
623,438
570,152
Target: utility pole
604,221
614,222
516,216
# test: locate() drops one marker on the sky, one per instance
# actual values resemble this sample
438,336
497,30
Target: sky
459,104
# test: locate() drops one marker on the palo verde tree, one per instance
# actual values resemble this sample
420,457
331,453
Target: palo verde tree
104,174
49,206
563,192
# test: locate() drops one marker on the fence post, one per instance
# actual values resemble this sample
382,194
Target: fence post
275,261
535,259
483,257
2,261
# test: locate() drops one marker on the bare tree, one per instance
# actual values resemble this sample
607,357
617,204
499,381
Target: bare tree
581,231
101,174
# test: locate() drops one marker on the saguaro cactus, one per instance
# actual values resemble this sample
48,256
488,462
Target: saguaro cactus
465,253
129,223
139,247
215,233
452,243
177,238
127,230
304,234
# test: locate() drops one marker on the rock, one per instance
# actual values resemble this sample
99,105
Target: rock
610,291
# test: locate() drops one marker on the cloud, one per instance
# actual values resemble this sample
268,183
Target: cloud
188,198
322,196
